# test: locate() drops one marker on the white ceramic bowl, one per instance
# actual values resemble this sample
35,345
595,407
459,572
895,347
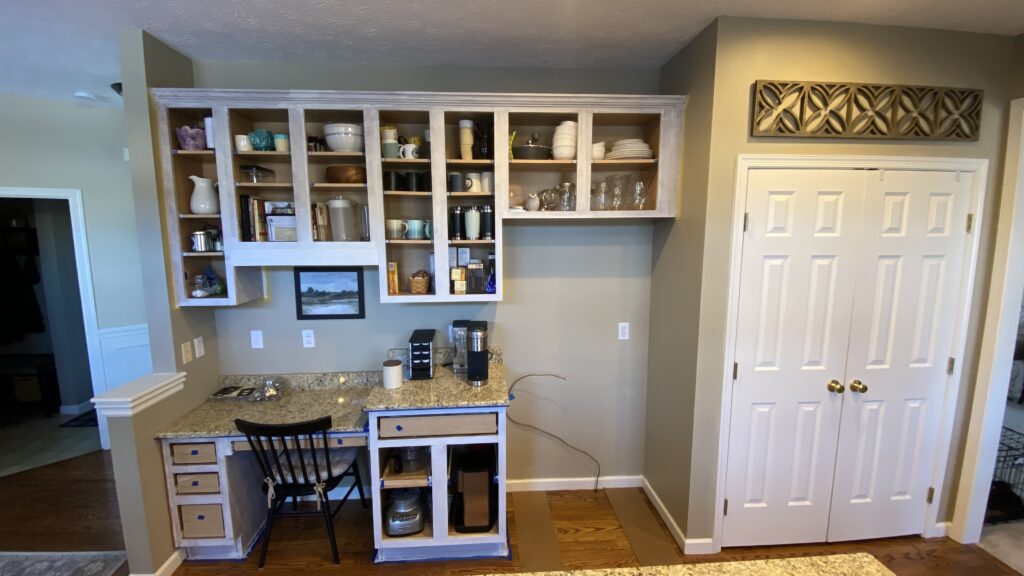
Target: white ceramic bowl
597,153
563,152
564,140
568,123
345,142
342,128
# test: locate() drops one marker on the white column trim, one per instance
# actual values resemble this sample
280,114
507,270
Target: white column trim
168,567
139,394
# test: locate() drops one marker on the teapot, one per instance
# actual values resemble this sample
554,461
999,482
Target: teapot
204,199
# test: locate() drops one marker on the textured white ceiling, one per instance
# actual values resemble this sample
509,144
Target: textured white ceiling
53,47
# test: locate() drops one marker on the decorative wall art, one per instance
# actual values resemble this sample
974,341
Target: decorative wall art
848,110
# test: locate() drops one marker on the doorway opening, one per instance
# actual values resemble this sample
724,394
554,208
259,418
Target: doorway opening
45,379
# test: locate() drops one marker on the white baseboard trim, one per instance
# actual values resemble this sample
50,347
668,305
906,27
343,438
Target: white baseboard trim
583,483
699,546
673,528
938,531
168,567
75,409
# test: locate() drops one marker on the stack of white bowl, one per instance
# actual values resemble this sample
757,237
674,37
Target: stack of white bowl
344,137
563,146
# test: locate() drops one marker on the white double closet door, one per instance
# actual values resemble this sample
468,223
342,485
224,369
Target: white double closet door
851,276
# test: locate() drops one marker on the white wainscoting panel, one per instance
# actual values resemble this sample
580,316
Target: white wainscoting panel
126,356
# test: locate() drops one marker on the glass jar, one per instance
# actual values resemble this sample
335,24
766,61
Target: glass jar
599,197
618,185
567,195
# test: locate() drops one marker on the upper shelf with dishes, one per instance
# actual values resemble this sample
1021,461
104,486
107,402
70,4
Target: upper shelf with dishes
420,182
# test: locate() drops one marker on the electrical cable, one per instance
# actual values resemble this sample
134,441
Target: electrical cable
597,478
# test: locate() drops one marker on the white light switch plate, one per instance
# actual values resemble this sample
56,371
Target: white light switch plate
186,352
623,330
256,339
200,346
308,340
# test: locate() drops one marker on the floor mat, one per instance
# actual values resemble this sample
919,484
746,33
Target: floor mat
538,541
61,563
651,545
835,565
83,420
1004,542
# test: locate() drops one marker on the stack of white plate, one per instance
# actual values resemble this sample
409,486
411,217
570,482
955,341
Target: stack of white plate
563,145
630,149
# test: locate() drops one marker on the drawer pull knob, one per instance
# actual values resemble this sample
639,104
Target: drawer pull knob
399,427
195,482
201,517
340,441
195,452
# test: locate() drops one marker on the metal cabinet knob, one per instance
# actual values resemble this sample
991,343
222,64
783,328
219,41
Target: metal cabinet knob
835,386
858,386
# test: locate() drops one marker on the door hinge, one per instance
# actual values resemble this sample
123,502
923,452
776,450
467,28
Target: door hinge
931,495
950,365
735,370
970,223
725,508
746,219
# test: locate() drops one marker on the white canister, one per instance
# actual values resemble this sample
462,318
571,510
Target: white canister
208,126
487,181
343,220
392,373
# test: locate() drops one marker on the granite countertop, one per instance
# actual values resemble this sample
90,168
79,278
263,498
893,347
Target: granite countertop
860,564
213,418
445,390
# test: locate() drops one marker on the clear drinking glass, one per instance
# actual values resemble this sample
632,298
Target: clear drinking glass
599,198
639,193
618,192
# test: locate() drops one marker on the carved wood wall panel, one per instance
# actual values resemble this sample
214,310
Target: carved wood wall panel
849,110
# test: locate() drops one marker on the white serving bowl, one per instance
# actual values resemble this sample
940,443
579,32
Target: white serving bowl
342,128
563,152
345,142
568,123
564,140
597,153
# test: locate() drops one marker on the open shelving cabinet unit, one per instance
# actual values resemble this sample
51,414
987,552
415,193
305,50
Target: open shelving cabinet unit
300,176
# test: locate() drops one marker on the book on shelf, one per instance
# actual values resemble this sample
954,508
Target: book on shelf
253,214
245,217
321,222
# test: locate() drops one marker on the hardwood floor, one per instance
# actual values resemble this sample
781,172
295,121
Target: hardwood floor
67,506
589,536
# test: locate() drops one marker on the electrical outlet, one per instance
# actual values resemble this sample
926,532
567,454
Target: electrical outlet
256,339
200,347
623,330
186,352
308,340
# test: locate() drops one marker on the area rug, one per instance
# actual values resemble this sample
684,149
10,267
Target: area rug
1004,542
60,563
835,565
83,420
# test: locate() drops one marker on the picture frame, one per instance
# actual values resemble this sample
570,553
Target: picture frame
329,293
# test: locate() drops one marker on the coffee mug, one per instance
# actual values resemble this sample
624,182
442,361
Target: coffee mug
456,182
390,149
415,229
473,182
428,229
409,151
487,181
395,229
388,134
242,143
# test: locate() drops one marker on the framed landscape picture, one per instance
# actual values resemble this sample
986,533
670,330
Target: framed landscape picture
325,293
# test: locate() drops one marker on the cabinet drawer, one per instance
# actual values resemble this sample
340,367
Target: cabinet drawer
202,521
204,483
446,425
205,453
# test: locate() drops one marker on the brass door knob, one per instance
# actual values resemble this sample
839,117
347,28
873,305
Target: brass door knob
858,386
835,386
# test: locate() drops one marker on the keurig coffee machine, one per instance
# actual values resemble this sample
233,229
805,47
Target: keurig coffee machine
477,354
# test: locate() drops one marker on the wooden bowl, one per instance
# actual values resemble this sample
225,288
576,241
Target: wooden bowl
345,174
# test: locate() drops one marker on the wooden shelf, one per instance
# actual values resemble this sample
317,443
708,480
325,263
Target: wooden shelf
475,162
199,216
331,186
407,193
637,164
263,154
471,194
399,161
389,479
470,242
409,241
202,254
195,153
541,165
344,157
264,185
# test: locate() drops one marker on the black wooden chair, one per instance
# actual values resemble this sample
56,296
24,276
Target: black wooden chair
295,461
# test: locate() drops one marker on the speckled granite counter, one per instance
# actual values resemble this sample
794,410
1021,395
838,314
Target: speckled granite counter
835,565
445,390
344,404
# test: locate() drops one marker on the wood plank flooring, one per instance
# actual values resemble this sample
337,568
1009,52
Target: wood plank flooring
72,506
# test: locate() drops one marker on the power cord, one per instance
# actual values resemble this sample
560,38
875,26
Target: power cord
597,479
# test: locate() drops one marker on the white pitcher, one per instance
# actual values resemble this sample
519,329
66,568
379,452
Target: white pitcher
204,198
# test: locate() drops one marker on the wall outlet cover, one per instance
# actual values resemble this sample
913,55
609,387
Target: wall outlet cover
256,339
308,339
186,352
200,346
623,330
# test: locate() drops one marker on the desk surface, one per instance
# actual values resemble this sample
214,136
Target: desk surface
444,390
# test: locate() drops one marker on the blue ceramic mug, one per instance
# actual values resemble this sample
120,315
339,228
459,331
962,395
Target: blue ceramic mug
417,229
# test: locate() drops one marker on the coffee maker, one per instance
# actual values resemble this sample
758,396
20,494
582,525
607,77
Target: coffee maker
477,354
459,334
